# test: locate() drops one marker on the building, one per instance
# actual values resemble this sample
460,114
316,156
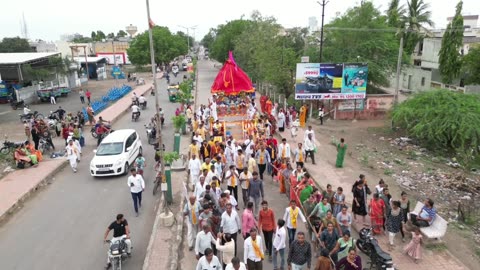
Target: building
312,24
113,51
43,46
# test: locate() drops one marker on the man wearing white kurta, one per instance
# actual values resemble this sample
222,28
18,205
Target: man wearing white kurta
284,150
72,155
253,251
194,167
192,211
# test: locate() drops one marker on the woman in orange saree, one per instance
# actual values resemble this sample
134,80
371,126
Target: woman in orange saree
377,213
281,178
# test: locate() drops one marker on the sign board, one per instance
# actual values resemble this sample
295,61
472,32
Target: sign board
120,57
305,59
349,105
331,81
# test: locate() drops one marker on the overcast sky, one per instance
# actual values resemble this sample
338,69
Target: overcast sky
48,19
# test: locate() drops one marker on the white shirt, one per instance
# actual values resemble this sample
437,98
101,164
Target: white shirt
203,241
287,150
309,145
230,223
309,132
138,183
203,264
280,238
249,252
199,189
229,179
199,141
228,250
245,177
141,99
288,220
297,154
194,166
230,266
26,110
135,109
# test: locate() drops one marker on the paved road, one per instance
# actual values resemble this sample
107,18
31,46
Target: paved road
63,226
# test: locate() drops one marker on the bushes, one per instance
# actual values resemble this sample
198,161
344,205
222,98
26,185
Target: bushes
444,121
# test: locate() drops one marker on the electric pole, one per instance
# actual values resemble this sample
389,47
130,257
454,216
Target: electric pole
323,4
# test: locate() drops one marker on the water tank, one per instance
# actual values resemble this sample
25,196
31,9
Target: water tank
131,30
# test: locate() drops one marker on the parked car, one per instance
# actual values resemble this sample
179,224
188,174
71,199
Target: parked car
116,153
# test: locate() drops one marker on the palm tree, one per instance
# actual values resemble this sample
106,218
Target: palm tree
395,14
416,17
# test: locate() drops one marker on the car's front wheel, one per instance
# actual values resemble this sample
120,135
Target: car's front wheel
125,168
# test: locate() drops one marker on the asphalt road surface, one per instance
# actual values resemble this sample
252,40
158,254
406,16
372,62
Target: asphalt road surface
62,226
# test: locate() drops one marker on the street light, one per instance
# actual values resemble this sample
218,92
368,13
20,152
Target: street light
114,60
188,36
323,4
155,85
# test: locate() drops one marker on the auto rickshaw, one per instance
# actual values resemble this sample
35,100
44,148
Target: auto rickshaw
172,94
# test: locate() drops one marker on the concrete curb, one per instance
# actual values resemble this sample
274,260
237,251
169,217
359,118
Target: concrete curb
156,224
12,210
174,250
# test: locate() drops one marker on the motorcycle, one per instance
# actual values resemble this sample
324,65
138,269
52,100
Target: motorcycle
117,253
44,145
143,105
93,131
175,71
152,91
151,134
15,104
379,259
135,116
35,115
8,146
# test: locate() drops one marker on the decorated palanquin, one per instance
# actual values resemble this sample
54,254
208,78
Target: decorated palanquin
233,89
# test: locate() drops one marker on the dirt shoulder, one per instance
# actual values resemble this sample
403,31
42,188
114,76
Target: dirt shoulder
379,153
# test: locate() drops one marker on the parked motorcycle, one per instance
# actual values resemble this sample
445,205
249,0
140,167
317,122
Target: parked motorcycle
15,104
151,134
9,146
35,115
44,146
117,253
379,259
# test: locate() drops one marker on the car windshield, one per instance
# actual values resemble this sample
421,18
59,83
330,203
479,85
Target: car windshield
110,149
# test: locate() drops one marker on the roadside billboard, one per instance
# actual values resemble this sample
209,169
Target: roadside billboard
331,81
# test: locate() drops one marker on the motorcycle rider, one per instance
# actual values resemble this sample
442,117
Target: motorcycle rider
61,112
162,114
135,111
121,230
142,100
134,98
26,110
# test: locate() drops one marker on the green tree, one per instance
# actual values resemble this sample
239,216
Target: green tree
167,46
93,35
184,37
395,14
100,36
209,38
121,33
450,60
369,42
442,120
224,40
416,17
111,35
15,44
471,66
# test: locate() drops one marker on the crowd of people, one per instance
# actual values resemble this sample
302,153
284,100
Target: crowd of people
226,175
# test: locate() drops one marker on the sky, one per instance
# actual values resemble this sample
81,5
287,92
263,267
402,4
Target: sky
48,19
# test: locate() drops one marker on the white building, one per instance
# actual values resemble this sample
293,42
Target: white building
312,24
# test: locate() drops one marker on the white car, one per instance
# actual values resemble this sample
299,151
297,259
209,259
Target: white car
116,153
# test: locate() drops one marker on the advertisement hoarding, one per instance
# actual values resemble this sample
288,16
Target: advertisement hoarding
351,104
331,81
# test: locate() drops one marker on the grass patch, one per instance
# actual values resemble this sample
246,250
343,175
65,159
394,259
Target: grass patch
364,159
388,172
437,247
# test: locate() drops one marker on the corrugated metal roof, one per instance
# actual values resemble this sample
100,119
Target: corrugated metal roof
20,58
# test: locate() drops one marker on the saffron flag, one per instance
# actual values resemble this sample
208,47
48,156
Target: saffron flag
151,24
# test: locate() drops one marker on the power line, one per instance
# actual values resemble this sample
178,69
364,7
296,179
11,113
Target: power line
390,30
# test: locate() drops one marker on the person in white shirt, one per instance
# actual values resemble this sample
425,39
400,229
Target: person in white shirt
135,111
232,178
203,241
245,178
209,261
281,121
200,187
229,153
284,151
291,218
309,131
192,211
26,110
142,100
73,154
230,224
300,155
279,244
194,167
198,139
309,146
236,264
227,249
137,185
253,251
230,199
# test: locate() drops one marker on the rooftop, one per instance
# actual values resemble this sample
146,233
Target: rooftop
22,58
90,59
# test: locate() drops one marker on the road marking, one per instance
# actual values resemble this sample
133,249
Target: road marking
5,112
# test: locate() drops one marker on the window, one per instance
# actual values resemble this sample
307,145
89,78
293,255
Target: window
423,81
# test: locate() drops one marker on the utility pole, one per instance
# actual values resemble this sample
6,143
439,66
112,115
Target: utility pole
323,4
399,68
155,86
188,36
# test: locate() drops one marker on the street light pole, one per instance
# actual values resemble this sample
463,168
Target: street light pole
399,69
155,86
188,36
323,4
114,62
